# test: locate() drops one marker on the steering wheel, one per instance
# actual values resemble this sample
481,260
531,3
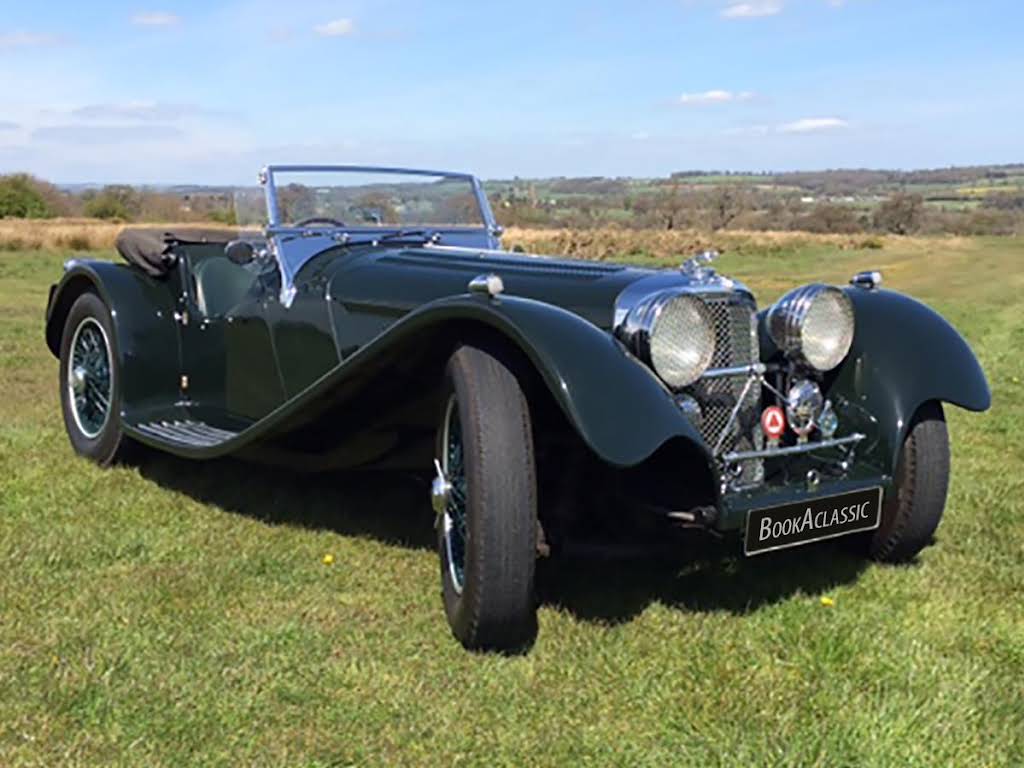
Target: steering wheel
320,220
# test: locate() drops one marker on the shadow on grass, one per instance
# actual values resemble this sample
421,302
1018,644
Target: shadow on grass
702,574
391,507
691,571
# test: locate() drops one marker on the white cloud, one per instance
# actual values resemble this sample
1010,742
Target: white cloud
335,28
755,9
156,19
812,124
806,125
640,136
22,39
715,97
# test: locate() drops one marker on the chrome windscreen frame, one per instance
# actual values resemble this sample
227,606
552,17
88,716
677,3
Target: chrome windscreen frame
305,243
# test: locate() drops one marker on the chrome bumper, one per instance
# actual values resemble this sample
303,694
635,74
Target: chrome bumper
790,450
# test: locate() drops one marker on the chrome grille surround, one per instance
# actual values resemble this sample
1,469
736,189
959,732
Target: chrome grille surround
735,368
736,345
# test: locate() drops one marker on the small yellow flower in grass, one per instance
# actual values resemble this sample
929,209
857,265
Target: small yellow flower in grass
828,602
328,559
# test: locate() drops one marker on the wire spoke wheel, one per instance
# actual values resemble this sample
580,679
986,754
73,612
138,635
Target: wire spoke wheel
456,534
89,378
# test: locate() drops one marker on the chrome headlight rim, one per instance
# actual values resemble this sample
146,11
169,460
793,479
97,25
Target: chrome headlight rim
641,324
787,323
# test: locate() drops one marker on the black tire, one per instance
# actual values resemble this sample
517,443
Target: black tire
109,443
494,607
913,510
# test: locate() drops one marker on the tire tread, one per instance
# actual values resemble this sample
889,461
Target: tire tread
496,610
922,482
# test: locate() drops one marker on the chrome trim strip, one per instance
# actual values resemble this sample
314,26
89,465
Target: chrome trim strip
789,450
343,167
753,369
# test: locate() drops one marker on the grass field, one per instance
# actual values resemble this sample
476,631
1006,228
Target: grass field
177,614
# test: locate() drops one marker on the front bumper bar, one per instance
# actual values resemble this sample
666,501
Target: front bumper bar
790,450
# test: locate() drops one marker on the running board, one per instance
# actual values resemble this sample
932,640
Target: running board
191,434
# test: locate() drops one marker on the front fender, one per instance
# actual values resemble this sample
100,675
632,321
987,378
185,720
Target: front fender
618,407
142,309
905,354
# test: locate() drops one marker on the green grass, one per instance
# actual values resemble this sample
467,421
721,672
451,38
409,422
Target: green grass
179,614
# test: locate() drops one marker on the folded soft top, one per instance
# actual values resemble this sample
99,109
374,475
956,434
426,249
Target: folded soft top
150,249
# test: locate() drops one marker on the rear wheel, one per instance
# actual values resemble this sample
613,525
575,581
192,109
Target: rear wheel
90,389
486,500
913,508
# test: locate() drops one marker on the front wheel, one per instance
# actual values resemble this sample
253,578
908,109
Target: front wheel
485,497
913,509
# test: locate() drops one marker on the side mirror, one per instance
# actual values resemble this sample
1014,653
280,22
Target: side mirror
240,252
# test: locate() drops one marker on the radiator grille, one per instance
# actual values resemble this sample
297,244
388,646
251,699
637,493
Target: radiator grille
735,344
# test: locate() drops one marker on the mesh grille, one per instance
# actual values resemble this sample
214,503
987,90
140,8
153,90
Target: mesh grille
735,344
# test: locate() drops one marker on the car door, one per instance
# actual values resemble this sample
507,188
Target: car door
229,370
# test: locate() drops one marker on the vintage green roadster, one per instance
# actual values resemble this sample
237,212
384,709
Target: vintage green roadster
370,320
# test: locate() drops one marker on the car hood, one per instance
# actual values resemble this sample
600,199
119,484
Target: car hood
397,280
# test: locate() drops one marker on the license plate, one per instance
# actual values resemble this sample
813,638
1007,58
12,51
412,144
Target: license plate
802,522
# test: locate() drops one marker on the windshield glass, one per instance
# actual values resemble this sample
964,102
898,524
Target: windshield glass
377,199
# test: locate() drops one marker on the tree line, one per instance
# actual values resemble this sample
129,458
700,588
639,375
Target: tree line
742,203
23,196
744,206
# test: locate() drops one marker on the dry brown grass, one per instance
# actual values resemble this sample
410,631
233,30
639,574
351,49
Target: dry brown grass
59,234
611,243
68,234
599,244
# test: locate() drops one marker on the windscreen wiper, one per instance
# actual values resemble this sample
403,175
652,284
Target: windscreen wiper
421,235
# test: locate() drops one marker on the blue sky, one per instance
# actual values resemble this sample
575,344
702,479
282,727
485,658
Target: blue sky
207,91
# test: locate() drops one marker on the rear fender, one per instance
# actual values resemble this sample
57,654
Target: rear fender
142,309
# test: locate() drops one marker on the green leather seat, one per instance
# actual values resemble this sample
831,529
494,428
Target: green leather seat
220,285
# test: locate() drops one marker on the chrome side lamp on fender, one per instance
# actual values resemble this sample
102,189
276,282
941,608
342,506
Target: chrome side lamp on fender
869,280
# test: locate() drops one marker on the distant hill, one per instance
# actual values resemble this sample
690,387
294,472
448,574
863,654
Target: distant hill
981,199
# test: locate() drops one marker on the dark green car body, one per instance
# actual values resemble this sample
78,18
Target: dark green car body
347,376
338,363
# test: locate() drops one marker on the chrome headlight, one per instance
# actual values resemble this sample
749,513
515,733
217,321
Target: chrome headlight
674,334
813,324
